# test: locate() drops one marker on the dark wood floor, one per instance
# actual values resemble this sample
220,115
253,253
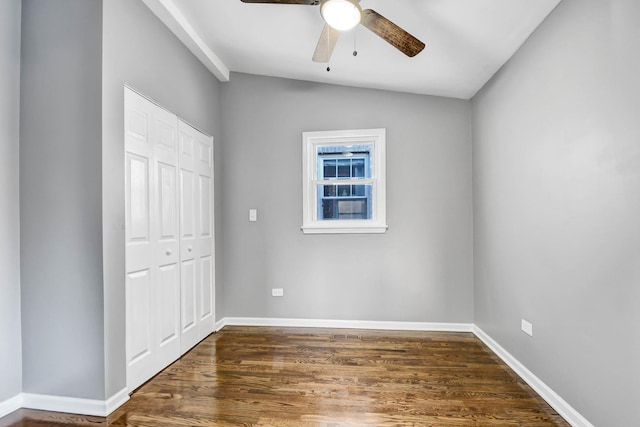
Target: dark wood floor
329,378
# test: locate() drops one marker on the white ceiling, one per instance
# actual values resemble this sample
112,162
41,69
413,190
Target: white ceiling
467,41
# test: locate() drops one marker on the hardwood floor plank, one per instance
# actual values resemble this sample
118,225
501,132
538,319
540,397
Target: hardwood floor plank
261,376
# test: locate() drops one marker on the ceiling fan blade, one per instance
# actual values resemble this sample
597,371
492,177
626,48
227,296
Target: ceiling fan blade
394,35
326,44
307,2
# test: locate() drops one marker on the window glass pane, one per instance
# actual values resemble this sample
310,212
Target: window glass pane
357,168
344,168
344,190
344,202
357,190
329,209
329,190
329,169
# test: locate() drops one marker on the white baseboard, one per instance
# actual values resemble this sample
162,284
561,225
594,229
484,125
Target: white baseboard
74,405
12,404
567,412
219,324
116,401
349,324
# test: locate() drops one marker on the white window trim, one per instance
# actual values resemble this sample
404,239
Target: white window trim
310,142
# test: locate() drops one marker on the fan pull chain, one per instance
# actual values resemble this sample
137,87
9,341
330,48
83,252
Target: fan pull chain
355,38
328,47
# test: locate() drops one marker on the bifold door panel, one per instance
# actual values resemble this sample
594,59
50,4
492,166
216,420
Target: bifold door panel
196,243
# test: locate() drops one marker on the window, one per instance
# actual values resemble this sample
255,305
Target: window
344,181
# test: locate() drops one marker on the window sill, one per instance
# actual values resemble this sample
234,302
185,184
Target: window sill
344,229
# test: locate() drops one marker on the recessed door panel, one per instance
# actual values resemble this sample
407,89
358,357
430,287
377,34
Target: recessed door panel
188,308
138,312
166,132
168,294
206,286
137,124
168,209
206,156
137,181
188,286
186,144
205,206
187,208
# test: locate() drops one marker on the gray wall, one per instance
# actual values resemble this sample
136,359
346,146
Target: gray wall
77,55
420,270
10,341
140,51
60,204
557,206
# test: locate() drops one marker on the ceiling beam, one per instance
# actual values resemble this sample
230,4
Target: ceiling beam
171,16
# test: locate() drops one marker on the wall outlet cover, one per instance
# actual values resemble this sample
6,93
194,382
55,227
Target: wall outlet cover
277,292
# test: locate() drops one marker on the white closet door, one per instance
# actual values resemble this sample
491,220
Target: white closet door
152,239
196,235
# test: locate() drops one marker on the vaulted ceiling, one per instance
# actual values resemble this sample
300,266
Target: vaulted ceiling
467,41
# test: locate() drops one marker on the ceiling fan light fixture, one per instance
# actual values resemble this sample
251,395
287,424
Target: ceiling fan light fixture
341,15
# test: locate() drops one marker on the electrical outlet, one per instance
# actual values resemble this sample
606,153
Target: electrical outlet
277,292
526,327
253,215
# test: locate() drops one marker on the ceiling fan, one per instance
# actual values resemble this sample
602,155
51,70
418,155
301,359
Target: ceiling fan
342,15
